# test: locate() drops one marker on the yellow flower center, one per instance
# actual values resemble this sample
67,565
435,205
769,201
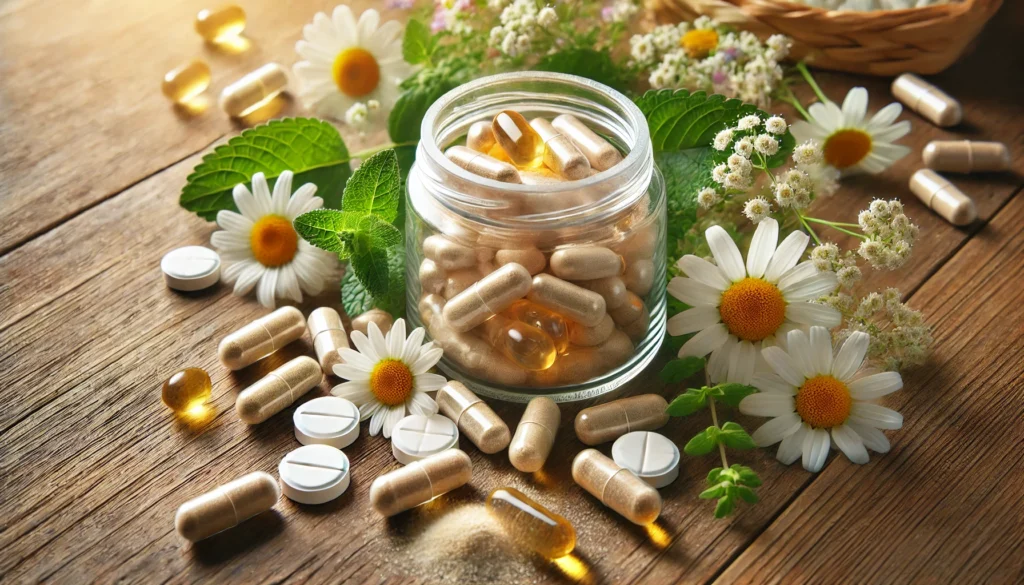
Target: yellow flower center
699,43
391,381
847,147
273,241
752,309
823,402
356,72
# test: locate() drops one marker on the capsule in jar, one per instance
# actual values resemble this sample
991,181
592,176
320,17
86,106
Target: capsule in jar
483,164
585,263
491,295
535,435
639,276
184,83
531,259
531,524
261,338
517,138
943,197
612,288
966,156
524,344
253,90
432,277
584,336
475,419
616,487
226,506
601,154
580,364
382,319
576,303
560,154
926,99
420,481
609,421
547,321
480,137
449,254
278,390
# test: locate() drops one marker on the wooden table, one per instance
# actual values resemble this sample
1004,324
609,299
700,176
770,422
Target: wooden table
93,466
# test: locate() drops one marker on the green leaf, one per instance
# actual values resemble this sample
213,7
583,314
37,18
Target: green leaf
725,506
312,149
329,229
407,115
679,120
585,62
747,476
381,233
375,187
733,436
732,393
679,370
354,297
714,475
686,172
715,491
703,442
370,264
687,403
417,44
747,494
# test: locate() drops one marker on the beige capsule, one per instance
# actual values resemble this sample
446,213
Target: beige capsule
495,367
590,336
459,280
531,259
966,156
541,176
535,435
926,99
328,334
580,364
474,418
464,349
639,276
432,277
261,338
560,154
480,136
943,197
637,330
612,288
420,481
616,487
585,263
253,90
482,164
601,154
492,294
630,311
382,319
579,304
278,390
226,506
609,421
640,244
447,254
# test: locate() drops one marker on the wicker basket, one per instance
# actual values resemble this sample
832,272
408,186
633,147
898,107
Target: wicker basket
920,40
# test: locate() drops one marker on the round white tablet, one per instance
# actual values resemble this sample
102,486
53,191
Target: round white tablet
327,420
652,457
191,268
417,437
314,474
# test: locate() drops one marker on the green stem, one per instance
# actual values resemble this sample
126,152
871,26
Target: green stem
806,225
826,222
790,98
802,67
835,226
714,420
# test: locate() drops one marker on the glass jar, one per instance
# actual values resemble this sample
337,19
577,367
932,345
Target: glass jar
476,224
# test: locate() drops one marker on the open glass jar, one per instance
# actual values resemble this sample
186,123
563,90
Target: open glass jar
462,228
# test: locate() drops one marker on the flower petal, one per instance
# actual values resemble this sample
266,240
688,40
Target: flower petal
426,360
693,320
808,313
430,382
705,342
797,273
726,254
395,339
742,359
821,350
811,288
768,404
703,271
783,365
377,341
694,293
391,418
815,450
413,346
350,372
266,290
800,352
791,447
776,429
855,106
786,255
875,386
850,443
718,362
282,193
876,415
772,383
762,247
873,438
850,356
377,420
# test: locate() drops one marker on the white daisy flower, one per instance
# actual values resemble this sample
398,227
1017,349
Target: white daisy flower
348,62
737,309
811,395
261,249
388,375
850,142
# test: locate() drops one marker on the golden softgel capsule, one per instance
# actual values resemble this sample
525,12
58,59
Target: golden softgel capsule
491,295
253,90
966,156
535,435
187,389
261,338
601,154
926,99
560,154
544,319
482,164
278,390
221,23
616,487
531,524
420,481
525,345
227,506
329,337
943,197
565,298
474,418
609,421
184,83
517,138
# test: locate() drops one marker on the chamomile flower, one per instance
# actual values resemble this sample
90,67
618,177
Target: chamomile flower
348,61
849,141
388,376
815,399
738,308
260,248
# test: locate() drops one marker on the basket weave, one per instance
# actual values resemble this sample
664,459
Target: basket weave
919,40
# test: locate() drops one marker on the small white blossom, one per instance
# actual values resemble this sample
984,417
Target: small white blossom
719,172
776,125
547,16
707,197
808,153
848,276
737,181
757,209
723,139
744,147
357,115
749,122
739,164
372,105
766,145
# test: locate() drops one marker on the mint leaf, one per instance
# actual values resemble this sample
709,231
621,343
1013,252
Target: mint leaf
329,229
725,506
679,119
312,149
381,233
733,436
374,187
714,475
407,115
716,490
703,442
733,393
370,264
747,476
590,63
417,44
355,299
687,403
746,494
679,370
686,172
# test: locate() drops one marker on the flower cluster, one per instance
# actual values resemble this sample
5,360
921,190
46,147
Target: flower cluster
619,11
452,16
900,338
890,234
360,115
522,22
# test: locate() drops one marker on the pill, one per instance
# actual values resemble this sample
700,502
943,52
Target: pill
630,311
474,418
580,364
480,137
943,197
432,277
314,474
642,242
495,367
609,421
590,336
585,263
419,436
222,23
462,348
449,255
328,334
253,90
527,346
482,164
535,435
191,268
531,259
327,420
278,390
541,176
459,280
491,295
966,156
926,99
612,288
261,338
382,319
650,456
639,276
226,506
185,82
616,487
560,154
637,329
517,138
531,524
600,152
420,482
544,319
187,390
578,304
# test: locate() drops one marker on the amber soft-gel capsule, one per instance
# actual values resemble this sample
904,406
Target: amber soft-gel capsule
491,295
329,337
616,487
183,83
578,304
609,421
527,346
419,482
943,197
227,506
585,263
517,138
382,319
560,154
966,156
482,164
253,90
601,154
531,524
474,418
221,23
580,364
261,338
187,389
542,318
278,390
480,137
535,435
926,99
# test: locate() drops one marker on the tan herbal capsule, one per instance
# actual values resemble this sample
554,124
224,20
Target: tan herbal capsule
382,319
432,277
578,304
943,197
474,418
640,244
261,338
535,435
449,255
328,333
482,164
253,90
966,156
430,307
480,137
639,276
541,176
601,154
464,349
420,481
491,295
630,311
585,263
517,138
226,506
616,487
495,367
591,336
637,329
616,349
278,390
926,99
459,281
560,154
609,421
612,288
531,259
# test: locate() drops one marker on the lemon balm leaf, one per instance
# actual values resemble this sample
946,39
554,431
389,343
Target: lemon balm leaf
407,115
355,299
417,44
374,187
585,62
370,264
329,229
